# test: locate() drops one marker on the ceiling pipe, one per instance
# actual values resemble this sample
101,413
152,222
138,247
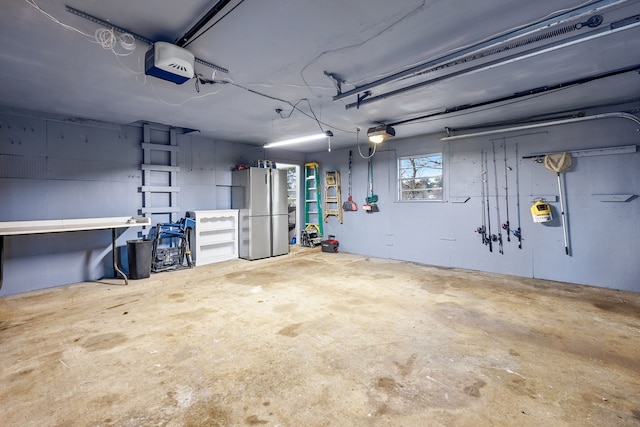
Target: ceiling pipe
529,29
620,115
535,91
615,27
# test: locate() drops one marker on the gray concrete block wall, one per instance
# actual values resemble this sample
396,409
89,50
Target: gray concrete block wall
53,170
56,170
603,235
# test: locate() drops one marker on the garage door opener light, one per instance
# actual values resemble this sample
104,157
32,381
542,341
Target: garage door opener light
380,133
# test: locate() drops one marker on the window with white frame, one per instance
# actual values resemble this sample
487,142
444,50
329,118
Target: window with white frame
420,178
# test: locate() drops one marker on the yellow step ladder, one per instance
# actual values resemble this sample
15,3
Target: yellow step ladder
332,195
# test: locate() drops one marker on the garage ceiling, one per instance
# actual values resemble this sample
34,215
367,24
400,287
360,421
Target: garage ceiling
298,67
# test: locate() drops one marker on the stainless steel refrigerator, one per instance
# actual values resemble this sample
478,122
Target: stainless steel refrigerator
260,194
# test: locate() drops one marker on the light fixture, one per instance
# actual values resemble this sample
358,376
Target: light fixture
380,133
307,138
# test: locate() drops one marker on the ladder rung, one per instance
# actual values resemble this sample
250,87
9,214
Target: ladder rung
313,196
332,196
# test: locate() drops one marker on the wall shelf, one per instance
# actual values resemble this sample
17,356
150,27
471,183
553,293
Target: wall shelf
215,236
460,199
613,197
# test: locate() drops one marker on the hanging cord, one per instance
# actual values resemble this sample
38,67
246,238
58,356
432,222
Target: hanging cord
109,40
105,37
369,176
35,5
371,170
294,106
371,153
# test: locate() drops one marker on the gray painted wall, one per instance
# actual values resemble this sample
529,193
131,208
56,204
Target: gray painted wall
603,236
54,170
57,169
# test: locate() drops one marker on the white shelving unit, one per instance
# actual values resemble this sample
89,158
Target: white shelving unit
215,236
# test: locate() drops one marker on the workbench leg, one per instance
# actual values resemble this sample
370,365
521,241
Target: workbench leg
116,269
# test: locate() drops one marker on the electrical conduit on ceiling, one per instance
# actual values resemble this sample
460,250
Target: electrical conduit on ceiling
620,115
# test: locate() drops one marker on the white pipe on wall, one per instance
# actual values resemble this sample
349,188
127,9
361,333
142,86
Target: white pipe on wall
620,115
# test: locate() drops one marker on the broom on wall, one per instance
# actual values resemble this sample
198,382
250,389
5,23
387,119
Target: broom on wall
349,205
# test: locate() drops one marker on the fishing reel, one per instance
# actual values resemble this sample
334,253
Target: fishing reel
480,230
517,233
506,226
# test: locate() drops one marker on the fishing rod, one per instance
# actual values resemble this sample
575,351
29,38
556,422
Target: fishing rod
507,225
518,232
495,183
490,237
482,230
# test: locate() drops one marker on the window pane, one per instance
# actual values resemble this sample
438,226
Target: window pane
420,177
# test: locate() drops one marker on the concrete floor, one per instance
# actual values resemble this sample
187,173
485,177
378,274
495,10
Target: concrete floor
316,339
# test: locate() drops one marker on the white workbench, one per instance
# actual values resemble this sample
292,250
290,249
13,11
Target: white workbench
14,228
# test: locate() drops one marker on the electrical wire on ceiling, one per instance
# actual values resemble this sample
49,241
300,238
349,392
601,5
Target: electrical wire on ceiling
373,152
105,37
294,106
212,80
183,102
109,40
278,85
35,5
283,116
382,31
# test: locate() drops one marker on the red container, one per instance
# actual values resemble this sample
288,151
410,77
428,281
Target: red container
330,245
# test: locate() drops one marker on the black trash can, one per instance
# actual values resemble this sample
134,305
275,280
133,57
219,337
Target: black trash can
139,253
